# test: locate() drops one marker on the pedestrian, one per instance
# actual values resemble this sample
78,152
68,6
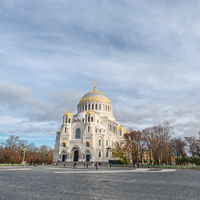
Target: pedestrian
110,164
64,164
75,165
55,163
138,165
84,164
96,166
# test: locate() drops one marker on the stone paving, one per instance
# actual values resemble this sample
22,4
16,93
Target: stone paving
50,182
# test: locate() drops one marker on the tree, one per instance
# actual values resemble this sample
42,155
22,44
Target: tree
194,145
119,152
157,141
132,143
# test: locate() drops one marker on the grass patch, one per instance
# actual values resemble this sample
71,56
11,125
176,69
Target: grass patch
198,169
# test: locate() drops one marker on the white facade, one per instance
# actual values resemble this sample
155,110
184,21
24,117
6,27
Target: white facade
86,135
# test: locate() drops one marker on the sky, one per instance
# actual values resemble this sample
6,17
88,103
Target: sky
143,54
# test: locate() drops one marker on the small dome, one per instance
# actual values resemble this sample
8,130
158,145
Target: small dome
59,130
121,128
68,113
90,112
126,132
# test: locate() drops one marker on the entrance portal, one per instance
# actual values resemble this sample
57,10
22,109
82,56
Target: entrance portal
87,158
63,157
75,155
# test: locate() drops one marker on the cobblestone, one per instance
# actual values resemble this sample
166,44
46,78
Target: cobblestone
43,183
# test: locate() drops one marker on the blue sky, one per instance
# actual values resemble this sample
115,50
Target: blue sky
143,54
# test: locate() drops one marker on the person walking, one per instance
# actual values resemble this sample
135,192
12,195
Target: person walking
87,165
84,164
96,166
64,164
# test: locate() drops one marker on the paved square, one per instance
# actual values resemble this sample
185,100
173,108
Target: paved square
51,182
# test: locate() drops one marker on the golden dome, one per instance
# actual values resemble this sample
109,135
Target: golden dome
68,113
90,112
59,130
121,128
126,132
95,95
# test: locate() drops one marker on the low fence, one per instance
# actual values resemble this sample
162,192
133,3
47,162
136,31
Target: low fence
160,166
8,164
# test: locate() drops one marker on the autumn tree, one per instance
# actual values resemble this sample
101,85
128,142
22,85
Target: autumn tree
157,141
194,145
132,143
119,152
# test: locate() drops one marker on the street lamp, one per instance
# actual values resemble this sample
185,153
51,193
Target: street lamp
25,151
108,148
150,154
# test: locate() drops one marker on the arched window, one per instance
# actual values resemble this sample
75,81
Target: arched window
82,107
83,120
92,106
65,129
106,153
120,133
86,107
110,127
66,120
96,107
100,130
88,129
69,120
78,133
106,142
91,119
99,142
99,153
99,106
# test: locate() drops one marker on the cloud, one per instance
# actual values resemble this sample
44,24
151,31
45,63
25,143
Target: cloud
143,54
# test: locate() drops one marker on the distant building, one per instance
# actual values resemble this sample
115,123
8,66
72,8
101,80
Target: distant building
86,135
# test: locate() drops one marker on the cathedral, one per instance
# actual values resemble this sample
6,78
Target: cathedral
89,135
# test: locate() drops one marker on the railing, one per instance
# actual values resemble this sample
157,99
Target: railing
160,166
9,164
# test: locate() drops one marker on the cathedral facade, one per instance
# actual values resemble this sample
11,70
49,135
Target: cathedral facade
89,135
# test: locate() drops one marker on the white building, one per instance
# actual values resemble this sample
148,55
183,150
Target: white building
85,136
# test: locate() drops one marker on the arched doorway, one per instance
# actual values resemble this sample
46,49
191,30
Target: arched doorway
76,155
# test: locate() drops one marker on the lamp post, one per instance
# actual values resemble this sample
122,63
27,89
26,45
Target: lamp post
108,148
25,151
150,154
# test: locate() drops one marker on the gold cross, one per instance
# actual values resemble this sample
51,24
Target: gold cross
95,86
68,108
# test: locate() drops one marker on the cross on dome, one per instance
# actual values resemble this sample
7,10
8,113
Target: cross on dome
95,86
